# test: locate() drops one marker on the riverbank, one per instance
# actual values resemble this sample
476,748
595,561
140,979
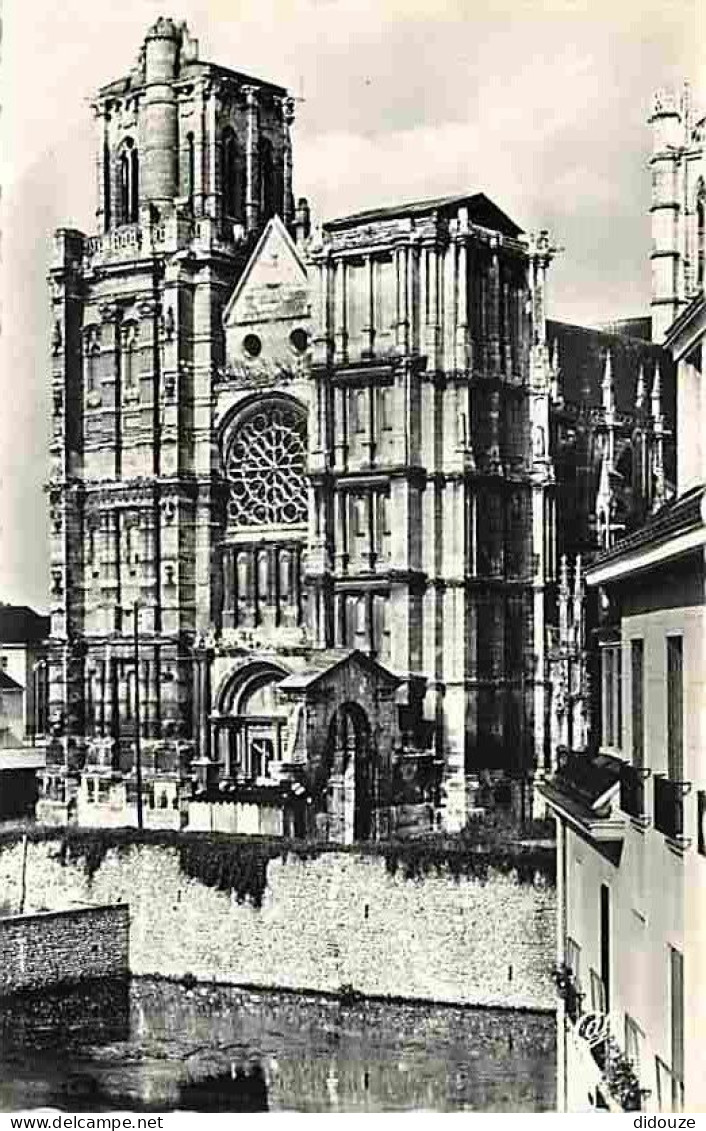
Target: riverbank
151,1045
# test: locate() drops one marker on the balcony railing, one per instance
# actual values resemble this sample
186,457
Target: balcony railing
669,806
632,790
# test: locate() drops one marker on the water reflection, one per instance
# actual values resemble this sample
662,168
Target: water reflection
153,1046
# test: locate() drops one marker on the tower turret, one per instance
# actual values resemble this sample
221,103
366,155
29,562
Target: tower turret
159,125
667,143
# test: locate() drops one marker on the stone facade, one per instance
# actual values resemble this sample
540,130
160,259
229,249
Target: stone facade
678,209
272,446
51,947
437,938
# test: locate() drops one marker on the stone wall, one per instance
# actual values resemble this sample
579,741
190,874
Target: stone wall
332,920
49,947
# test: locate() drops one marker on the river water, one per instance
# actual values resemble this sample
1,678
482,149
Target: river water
153,1045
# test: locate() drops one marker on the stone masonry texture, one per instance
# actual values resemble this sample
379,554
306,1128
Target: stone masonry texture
50,947
338,920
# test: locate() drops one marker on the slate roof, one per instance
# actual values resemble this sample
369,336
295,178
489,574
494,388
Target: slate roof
481,210
21,625
323,663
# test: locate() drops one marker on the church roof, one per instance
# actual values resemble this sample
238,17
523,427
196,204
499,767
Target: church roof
581,353
481,210
323,663
21,625
197,69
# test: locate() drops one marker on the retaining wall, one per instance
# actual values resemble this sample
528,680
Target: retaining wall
50,947
327,921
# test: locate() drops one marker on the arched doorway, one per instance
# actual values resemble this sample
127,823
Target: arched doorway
351,795
251,725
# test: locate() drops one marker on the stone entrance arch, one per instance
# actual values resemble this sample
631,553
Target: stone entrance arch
250,724
352,792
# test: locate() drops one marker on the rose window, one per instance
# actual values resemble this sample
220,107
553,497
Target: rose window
266,467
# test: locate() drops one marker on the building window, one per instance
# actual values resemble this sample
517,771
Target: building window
605,943
231,182
675,708
268,204
190,169
90,790
638,702
265,462
128,177
610,665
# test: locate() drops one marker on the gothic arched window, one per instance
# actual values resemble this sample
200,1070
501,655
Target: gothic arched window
231,185
268,203
129,189
190,169
265,462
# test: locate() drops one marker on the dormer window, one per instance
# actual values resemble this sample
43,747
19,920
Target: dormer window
128,182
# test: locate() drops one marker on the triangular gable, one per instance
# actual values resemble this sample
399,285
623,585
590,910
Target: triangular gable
320,668
275,272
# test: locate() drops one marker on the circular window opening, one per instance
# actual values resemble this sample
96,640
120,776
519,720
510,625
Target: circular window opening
299,340
252,345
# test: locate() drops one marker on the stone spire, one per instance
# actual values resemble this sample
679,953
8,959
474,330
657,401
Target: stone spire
577,613
603,503
554,371
640,391
607,386
608,391
657,395
564,595
658,481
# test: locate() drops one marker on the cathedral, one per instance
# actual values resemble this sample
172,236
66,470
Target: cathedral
303,494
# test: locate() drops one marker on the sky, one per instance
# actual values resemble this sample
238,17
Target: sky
542,106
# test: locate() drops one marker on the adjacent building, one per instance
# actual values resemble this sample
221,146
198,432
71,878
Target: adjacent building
23,706
302,497
630,806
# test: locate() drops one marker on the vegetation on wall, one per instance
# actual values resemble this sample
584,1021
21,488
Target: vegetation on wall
239,864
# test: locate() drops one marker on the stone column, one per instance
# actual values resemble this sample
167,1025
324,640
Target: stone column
369,330
252,175
287,121
341,430
507,327
402,325
213,188
104,202
431,333
340,532
494,312
461,352
340,311
200,104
